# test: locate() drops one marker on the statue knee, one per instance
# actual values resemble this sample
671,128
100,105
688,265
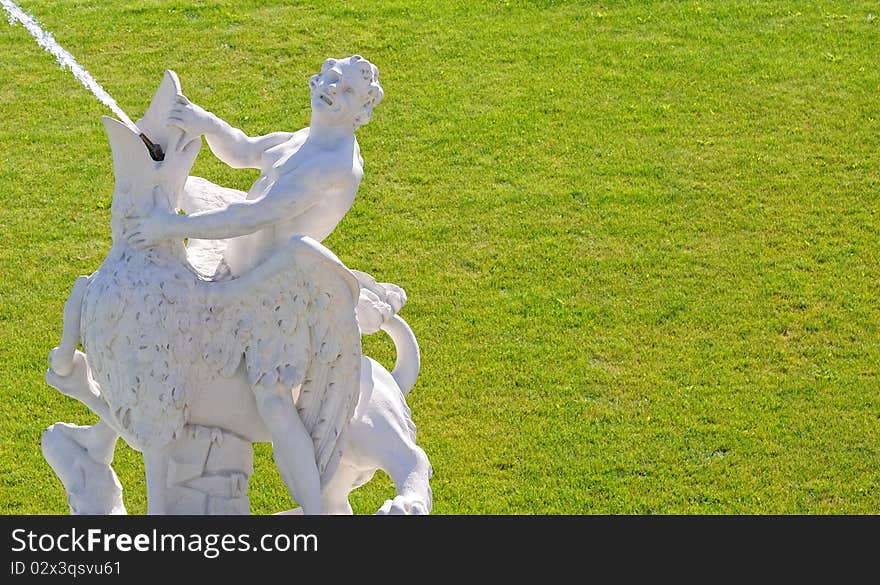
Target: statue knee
274,409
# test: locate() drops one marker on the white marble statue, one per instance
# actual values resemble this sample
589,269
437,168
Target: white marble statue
206,332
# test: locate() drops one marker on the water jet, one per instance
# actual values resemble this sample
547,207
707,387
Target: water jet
66,61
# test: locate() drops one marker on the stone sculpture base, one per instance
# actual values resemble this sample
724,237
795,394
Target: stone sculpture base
208,473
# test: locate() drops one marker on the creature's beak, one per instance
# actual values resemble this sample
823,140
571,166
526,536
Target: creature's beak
155,150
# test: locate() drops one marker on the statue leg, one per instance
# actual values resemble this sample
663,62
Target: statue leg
81,457
334,497
334,494
410,471
61,358
388,444
292,446
383,437
98,440
156,468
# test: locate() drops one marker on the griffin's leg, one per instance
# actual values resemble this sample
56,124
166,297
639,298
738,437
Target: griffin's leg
411,473
61,358
334,498
334,494
387,445
98,440
81,457
292,446
156,468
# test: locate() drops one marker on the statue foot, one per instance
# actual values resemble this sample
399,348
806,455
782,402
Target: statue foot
405,505
293,512
59,363
70,378
91,484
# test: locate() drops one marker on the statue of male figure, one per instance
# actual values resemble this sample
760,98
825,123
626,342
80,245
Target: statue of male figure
308,179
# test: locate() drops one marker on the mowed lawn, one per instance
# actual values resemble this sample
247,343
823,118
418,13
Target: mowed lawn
640,239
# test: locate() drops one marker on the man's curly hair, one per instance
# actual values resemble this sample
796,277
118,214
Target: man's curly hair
364,76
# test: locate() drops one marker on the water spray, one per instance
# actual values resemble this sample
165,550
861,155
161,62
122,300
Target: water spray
66,61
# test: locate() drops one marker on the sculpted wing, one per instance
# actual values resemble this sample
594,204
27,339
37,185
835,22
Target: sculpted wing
299,331
138,355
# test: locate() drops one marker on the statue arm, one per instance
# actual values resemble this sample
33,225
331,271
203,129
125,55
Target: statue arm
237,149
231,145
288,198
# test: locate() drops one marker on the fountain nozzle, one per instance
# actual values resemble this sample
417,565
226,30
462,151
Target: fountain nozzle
156,152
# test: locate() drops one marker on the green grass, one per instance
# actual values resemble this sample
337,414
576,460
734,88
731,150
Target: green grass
640,240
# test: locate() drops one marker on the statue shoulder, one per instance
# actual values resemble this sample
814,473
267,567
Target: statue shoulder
287,144
343,166
337,168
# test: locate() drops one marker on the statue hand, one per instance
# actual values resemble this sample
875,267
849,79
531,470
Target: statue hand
148,230
190,118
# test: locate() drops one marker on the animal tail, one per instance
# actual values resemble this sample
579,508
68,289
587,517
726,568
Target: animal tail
409,361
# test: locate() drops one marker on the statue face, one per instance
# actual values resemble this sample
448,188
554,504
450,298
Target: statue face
340,92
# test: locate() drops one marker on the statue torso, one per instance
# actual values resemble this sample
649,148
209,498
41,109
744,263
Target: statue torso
317,222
